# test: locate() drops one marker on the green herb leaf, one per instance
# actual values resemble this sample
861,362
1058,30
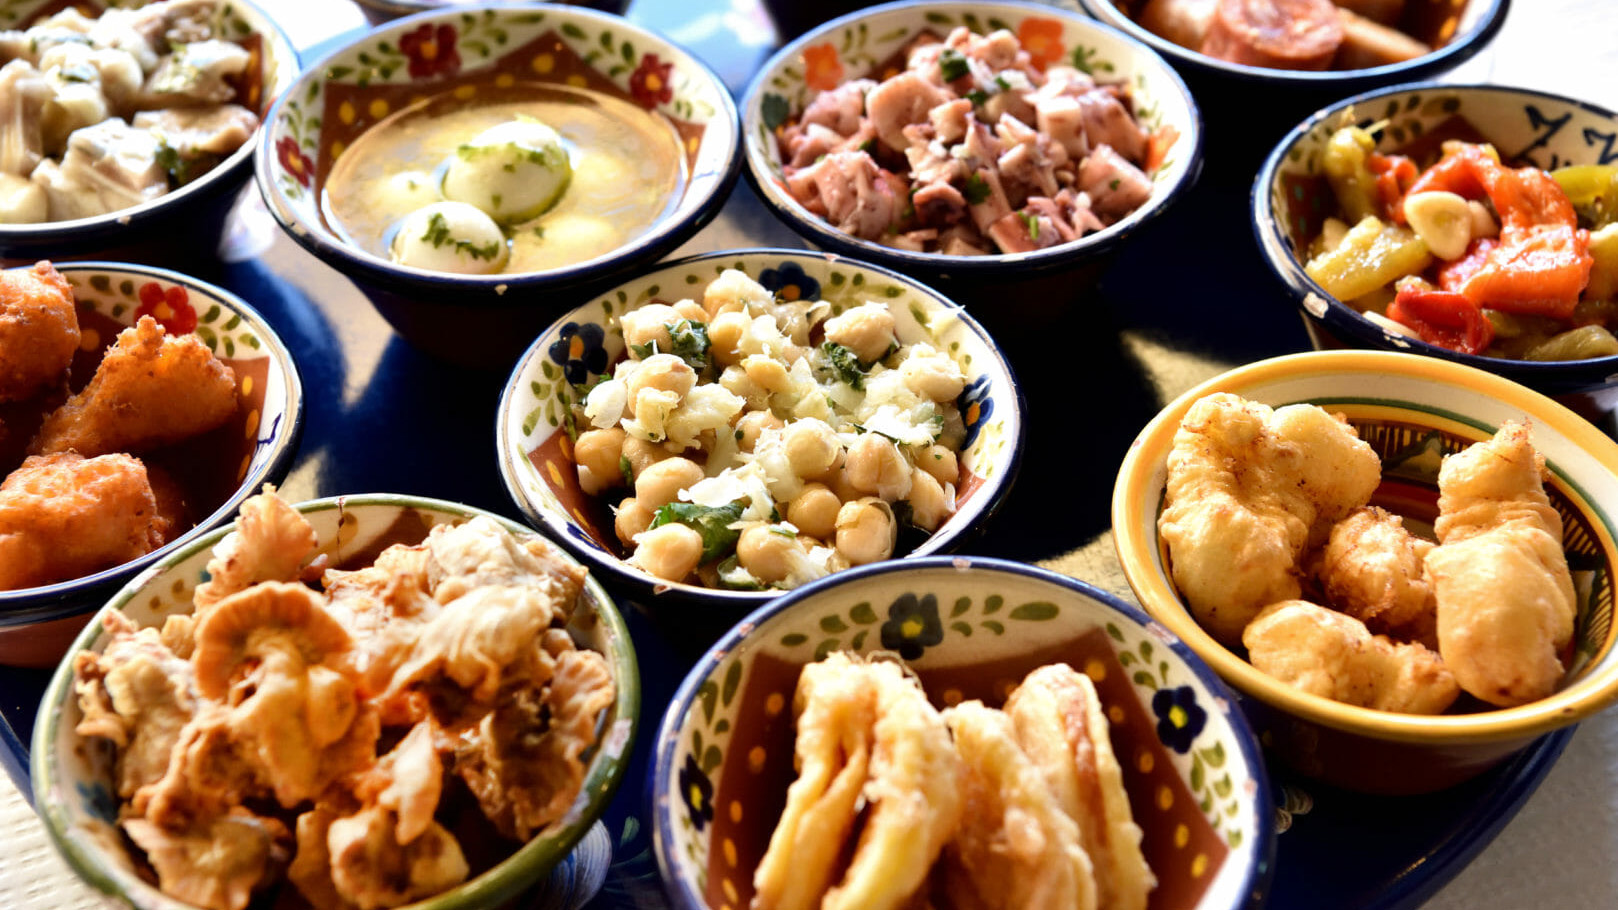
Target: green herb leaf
845,365
713,523
976,189
952,65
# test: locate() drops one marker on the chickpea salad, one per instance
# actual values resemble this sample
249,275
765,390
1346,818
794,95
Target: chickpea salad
753,442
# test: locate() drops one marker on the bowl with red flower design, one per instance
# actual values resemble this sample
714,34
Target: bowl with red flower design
1525,286
129,147
965,628
752,466
975,146
477,170
193,469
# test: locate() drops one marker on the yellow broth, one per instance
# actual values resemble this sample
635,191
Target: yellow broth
628,171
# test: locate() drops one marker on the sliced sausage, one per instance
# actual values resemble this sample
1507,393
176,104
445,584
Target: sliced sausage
1284,34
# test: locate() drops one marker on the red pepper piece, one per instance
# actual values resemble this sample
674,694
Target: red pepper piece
1444,318
1536,271
1395,174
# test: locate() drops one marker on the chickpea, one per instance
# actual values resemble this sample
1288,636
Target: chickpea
649,326
767,553
941,462
661,483
752,424
671,551
867,330
663,372
814,511
839,483
642,454
692,310
631,518
600,451
876,467
767,373
933,376
929,507
812,448
724,337
866,531
736,381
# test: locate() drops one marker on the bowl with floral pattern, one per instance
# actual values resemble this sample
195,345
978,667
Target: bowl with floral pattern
210,474
432,81
183,189
1413,411
967,628
542,414
75,783
872,43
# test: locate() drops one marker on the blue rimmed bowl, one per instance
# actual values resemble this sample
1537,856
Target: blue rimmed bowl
182,226
220,468
537,421
852,46
970,628
486,320
1291,198
74,785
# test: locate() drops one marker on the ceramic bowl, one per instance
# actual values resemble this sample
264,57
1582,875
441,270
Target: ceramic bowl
1412,410
857,44
971,628
1291,198
380,11
537,423
73,787
183,226
486,320
220,468
1457,29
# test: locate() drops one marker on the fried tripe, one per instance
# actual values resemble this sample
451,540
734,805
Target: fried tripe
1061,726
1371,569
1506,602
1333,655
64,515
39,330
1016,848
151,389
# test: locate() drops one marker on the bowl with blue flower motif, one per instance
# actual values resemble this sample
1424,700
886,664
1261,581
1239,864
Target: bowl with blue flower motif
201,480
547,431
478,169
966,628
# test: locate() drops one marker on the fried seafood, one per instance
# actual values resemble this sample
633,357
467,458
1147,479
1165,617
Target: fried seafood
1327,653
63,516
39,330
1249,489
974,809
1506,603
1371,569
1061,726
264,702
151,389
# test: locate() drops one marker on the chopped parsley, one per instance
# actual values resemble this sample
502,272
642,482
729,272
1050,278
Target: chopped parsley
868,147
712,522
977,96
687,340
845,365
951,65
1001,81
626,469
181,168
1113,183
976,189
438,235
1031,222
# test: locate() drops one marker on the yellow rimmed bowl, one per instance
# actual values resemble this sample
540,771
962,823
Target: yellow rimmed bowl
1412,410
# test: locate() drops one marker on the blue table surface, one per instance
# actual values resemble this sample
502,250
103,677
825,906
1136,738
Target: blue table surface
382,416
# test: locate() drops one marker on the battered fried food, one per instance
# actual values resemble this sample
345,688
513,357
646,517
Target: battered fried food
1371,569
1506,603
151,389
1249,489
39,330
1329,654
1061,726
63,516
1016,848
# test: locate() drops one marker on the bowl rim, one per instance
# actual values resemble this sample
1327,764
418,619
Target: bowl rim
662,591
1308,295
114,226
678,888
492,290
59,600
1445,58
1137,554
603,775
819,232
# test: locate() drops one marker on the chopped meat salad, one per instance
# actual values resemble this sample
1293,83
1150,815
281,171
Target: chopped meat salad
971,149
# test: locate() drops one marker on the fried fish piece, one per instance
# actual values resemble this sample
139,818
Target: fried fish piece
1016,847
138,694
63,516
1372,569
1062,728
1506,602
1329,654
1249,490
151,389
39,330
